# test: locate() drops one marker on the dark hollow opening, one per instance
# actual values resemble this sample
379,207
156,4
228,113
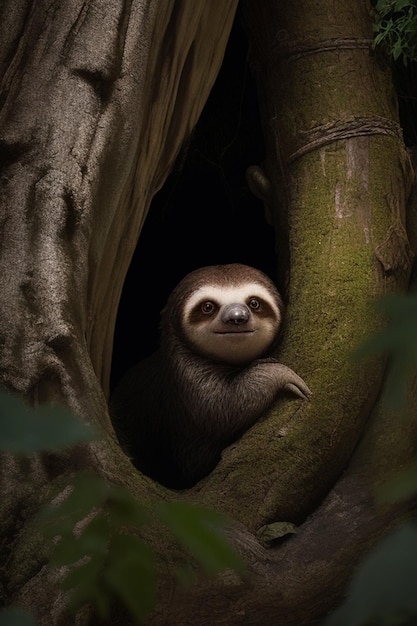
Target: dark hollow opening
204,214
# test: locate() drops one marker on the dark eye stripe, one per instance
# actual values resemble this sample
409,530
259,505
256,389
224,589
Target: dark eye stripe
197,313
264,309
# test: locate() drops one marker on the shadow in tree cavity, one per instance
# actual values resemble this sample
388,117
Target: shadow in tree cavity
204,214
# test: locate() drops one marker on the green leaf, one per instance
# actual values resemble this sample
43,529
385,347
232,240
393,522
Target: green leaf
384,587
93,540
398,341
185,575
268,534
397,49
85,575
401,487
88,492
396,23
124,509
200,531
382,6
24,430
15,616
66,551
85,582
400,4
131,574
106,563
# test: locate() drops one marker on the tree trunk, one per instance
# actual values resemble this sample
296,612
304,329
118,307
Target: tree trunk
98,97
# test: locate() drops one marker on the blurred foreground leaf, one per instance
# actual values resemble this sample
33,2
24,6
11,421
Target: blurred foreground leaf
86,493
200,531
105,561
401,487
92,527
16,617
97,527
24,430
398,341
131,574
383,591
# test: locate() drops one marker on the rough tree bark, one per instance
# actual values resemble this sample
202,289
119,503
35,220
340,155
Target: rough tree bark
97,98
94,97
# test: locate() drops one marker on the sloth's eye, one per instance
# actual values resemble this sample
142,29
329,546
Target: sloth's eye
254,304
207,307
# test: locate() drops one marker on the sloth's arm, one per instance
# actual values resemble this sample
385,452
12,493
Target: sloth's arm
230,401
224,404
286,378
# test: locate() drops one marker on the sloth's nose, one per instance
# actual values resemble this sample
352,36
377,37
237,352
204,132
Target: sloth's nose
235,314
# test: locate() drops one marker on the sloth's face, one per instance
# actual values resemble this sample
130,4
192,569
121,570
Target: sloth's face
233,325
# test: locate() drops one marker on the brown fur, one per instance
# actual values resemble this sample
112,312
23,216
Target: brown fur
178,410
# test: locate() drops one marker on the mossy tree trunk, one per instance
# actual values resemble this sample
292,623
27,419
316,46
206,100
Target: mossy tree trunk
97,98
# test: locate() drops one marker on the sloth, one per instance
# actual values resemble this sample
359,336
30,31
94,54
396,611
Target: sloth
213,377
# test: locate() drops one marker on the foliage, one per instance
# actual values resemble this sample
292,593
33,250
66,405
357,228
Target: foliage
399,488
102,558
94,531
199,530
399,342
98,529
24,430
382,591
395,28
16,616
269,534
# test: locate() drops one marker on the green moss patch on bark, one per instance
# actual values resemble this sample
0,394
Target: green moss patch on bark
335,155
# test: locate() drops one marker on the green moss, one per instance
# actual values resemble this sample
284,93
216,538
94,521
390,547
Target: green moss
338,215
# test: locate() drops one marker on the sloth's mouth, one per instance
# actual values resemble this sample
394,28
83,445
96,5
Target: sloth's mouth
238,331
